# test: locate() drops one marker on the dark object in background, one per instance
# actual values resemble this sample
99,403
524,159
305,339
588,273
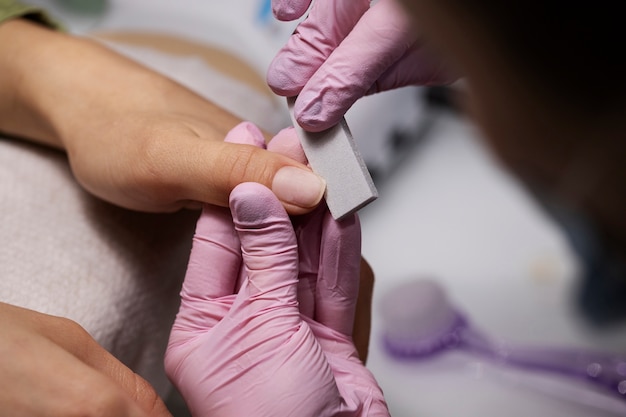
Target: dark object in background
84,7
441,97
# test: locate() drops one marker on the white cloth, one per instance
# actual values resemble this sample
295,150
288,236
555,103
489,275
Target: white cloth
266,111
66,253
114,271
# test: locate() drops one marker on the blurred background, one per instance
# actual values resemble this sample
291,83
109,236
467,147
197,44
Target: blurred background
447,211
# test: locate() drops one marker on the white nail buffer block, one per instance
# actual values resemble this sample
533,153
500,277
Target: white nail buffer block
334,156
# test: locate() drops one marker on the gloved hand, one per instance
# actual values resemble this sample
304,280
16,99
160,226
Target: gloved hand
240,344
344,50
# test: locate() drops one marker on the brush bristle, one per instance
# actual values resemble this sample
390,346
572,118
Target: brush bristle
419,320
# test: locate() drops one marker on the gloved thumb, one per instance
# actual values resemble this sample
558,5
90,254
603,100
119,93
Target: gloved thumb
287,10
268,244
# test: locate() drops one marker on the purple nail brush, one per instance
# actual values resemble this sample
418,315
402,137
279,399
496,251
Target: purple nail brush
419,322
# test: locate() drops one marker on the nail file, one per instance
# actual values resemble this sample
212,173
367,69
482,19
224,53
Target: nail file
334,156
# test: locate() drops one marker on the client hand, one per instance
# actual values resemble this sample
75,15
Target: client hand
50,367
133,137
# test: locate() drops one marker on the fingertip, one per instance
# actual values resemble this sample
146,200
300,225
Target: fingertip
285,14
286,11
246,133
268,241
214,258
315,113
283,75
252,203
212,218
286,143
316,122
338,285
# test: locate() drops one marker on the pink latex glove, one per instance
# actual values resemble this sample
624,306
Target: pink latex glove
344,50
250,350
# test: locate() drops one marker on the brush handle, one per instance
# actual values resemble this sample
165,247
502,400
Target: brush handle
607,371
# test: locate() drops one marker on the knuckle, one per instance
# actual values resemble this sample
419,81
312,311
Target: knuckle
68,327
145,395
150,176
147,168
249,163
72,336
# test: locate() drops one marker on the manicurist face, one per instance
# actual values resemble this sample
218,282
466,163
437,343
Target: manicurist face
512,116
525,113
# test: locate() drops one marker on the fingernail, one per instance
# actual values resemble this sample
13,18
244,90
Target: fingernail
298,187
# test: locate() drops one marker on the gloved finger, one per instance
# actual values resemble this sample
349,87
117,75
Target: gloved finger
379,39
246,133
339,274
308,230
215,253
359,390
307,227
207,171
212,272
419,66
287,10
313,41
268,245
286,143
215,262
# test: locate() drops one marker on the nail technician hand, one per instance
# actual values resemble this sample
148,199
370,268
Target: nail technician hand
51,367
251,352
133,137
344,50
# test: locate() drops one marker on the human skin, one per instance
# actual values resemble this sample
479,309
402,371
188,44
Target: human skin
51,367
133,137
